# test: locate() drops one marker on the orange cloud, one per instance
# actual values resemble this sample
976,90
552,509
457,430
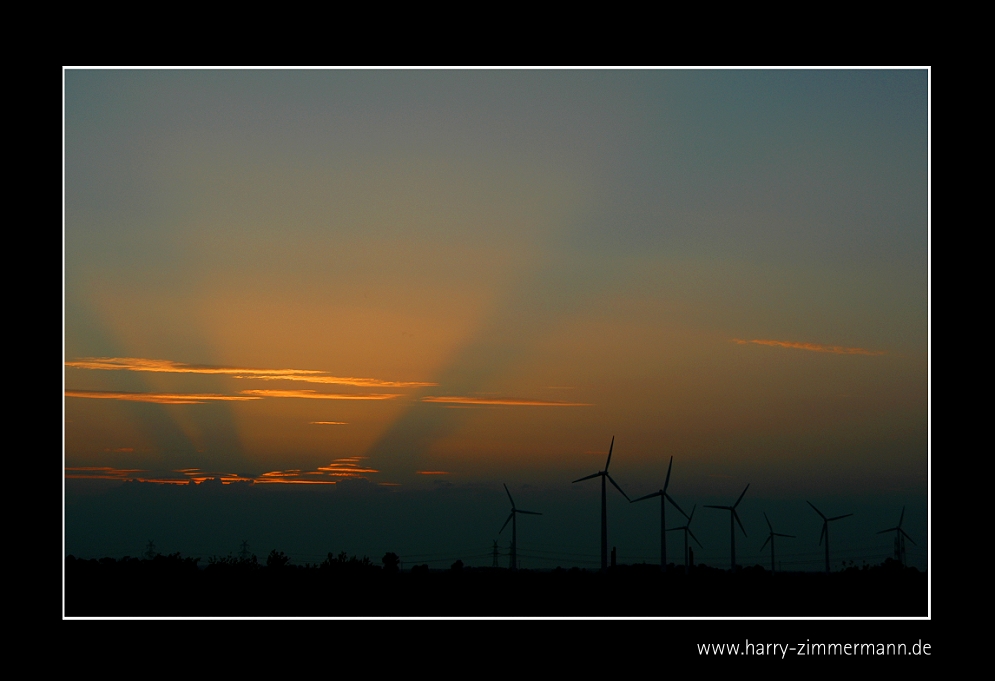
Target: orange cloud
348,467
432,472
130,474
314,395
170,367
329,423
340,380
157,398
101,472
813,347
507,401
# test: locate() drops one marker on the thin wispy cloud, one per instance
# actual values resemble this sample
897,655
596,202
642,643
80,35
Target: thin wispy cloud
177,477
159,398
340,380
170,367
505,401
197,476
432,472
314,395
347,467
812,347
329,423
101,472
290,477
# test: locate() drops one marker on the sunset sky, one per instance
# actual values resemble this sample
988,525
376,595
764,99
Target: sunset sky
437,281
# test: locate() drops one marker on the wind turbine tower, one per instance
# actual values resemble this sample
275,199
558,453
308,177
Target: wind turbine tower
770,538
825,529
687,531
604,504
664,497
733,519
514,530
900,537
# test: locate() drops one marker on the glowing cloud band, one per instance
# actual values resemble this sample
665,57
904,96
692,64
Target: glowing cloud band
170,367
158,398
506,401
812,347
313,395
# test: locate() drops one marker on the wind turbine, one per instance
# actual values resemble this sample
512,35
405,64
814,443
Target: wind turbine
770,538
900,537
687,531
663,520
604,504
514,529
733,516
825,529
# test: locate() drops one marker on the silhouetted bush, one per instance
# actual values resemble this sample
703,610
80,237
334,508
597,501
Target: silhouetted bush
277,559
391,562
343,563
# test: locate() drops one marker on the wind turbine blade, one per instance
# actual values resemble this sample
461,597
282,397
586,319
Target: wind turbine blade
815,509
901,517
609,453
736,516
676,506
890,529
509,495
768,522
648,496
741,496
506,522
529,512
778,534
907,536
823,533
766,540
840,516
673,529
666,482
692,514
593,475
695,538
724,508
617,487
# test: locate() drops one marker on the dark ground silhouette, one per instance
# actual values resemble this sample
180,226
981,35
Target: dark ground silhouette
344,586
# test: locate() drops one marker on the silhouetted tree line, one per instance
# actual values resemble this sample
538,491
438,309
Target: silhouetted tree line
349,585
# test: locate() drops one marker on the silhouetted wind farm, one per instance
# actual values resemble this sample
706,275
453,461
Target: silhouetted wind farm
633,588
